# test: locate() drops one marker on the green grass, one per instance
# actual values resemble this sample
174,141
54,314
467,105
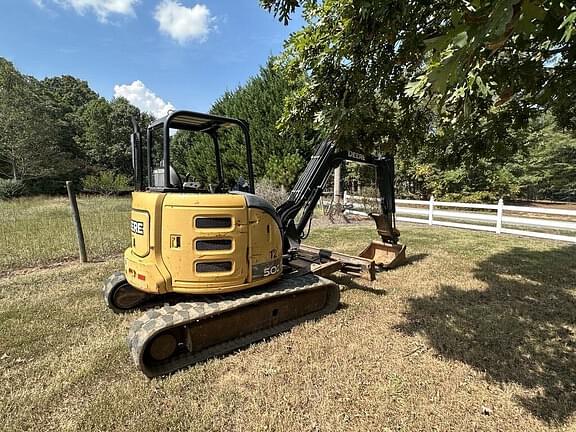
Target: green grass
474,322
38,231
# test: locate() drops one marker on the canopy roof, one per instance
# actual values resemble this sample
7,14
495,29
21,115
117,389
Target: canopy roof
189,120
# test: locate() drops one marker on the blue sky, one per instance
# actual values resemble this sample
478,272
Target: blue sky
185,52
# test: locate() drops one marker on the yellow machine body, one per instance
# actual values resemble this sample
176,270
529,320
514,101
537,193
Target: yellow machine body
200,244
213,235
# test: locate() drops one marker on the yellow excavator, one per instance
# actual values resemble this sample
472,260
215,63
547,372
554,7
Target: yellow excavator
235,258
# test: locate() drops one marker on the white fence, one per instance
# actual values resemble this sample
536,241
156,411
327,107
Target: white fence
497,218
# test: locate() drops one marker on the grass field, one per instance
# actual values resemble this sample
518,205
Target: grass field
478,332
38,231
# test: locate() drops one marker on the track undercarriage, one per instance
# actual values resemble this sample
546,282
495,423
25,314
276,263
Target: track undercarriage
169,338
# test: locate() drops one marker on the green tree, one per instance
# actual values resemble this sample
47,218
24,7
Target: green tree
95,133
260,103
285,170
449,86
59,129
105,134
28,145
192,154
365,61
121,112
349,66
70,95
486,53
547,167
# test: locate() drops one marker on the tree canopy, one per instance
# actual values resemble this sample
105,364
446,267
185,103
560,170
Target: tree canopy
459,90
366,67
476,98
59,129
26,113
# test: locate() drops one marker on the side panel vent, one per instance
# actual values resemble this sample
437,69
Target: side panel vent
213,245
213,267
213,222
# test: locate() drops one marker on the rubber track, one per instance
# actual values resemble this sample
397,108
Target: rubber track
157,320
109,284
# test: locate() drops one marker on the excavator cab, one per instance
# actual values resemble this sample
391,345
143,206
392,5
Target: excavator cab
159,135
194,237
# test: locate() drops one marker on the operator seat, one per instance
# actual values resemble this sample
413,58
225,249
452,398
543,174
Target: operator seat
158,178
175,178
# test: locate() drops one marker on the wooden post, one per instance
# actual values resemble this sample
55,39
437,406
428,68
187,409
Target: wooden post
499,216
337,189
77,223
431,210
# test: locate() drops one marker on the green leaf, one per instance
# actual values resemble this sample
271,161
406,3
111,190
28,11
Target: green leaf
525,26
531,10
416,88
501,16
481,86
455,17
460,40
569,24
438,43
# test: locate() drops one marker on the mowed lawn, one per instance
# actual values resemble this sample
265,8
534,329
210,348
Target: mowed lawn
476,333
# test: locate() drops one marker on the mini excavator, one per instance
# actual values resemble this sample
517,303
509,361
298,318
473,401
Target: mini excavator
235,258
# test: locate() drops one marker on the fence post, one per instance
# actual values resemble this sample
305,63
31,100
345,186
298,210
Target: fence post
77,223
431,210
499,216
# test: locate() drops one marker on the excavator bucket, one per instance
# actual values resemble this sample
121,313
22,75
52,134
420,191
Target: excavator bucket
385,255
379,255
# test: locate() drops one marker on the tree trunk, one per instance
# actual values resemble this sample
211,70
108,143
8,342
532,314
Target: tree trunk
337,189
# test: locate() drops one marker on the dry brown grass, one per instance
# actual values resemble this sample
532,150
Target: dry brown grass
477,333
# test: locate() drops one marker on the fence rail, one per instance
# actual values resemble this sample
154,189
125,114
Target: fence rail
497,218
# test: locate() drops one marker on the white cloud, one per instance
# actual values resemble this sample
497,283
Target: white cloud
102,8
142,97
184,23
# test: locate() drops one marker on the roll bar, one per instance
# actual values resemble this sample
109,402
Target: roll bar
191,121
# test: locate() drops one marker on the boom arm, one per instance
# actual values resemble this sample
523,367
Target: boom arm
311,183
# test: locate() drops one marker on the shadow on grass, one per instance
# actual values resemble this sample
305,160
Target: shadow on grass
411,259
349,282
520,329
